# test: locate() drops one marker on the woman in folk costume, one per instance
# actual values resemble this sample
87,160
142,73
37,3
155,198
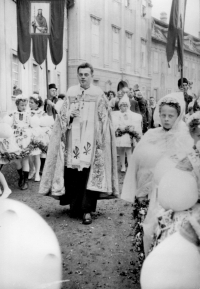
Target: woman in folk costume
35,104
9,150
172,138
179,188
128,129
83,130
20,120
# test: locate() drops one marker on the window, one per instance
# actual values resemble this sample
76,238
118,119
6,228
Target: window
128,47
169,67
143,12
115,33
185,72
155,94
155,62
193,71
143,91
35,77
95,35
143,54
58,83
15,71
127,3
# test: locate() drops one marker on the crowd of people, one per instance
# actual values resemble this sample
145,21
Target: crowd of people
80,135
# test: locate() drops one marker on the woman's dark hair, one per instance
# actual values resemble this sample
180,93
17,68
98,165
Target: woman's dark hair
17,101
193,125
172,104
38,100
111,91
86,65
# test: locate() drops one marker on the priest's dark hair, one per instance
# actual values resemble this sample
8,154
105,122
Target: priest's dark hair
86,65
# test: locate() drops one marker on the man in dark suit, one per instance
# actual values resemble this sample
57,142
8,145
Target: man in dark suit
52,99
144,110
188,98
134,104
152,107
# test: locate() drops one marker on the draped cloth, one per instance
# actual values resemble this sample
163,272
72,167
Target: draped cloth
40,40
103,176
154,145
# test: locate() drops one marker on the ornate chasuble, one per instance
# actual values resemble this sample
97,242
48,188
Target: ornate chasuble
82,129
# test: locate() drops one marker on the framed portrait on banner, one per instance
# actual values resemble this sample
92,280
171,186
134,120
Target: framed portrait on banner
40,17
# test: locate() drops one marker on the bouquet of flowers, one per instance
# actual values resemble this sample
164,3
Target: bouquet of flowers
130,130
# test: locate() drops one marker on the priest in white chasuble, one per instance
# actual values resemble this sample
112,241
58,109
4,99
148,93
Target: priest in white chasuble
81,164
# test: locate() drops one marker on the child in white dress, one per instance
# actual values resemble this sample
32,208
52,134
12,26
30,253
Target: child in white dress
20,120
128,126
8,150
35,104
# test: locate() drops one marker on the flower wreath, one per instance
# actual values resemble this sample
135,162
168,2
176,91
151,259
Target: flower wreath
130,130
171,102
25,152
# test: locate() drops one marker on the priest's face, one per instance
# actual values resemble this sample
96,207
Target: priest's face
85,77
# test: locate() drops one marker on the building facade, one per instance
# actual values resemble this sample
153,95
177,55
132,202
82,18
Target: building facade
165,78
29,77
119,38
115,37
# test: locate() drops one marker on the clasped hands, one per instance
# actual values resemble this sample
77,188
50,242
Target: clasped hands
74,112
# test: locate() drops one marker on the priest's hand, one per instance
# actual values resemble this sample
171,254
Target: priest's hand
74,112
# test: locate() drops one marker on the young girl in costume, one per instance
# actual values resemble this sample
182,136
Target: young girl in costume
172,138
184,201
128,126
35,104
8,150
20,120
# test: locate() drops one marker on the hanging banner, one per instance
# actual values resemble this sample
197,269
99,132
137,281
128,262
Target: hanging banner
40,21
176,30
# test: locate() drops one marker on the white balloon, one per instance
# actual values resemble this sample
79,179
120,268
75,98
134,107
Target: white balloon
177,190
5,130
30,255
163,166
173,264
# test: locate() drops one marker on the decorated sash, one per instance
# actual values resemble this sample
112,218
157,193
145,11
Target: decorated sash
83,130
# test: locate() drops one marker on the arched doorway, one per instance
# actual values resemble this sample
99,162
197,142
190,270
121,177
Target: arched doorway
121,84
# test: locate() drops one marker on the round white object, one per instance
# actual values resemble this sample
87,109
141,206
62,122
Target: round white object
5,130
30,255
173,264
177,190
163,166
7,119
